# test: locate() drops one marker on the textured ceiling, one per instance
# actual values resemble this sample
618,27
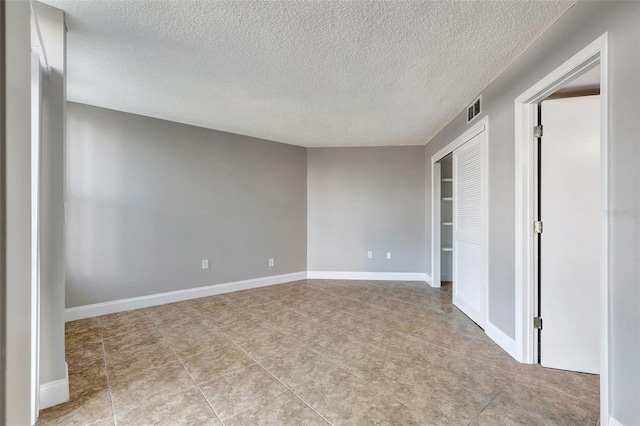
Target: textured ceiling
314,73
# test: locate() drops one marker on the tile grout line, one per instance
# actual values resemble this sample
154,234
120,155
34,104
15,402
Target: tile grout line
315,351
391,311
369,345
345,368
279,381
326,290
542,383
272,375
106,369
509,382
385,393
244,309
525,414
267,300
185,368
307,346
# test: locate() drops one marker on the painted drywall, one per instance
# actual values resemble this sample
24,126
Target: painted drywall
148,199
18,214
366,199
581,25
52,33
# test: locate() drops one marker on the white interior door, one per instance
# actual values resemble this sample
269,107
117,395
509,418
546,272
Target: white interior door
570,243
469,250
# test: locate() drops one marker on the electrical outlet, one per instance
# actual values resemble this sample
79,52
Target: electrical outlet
388,255
369,255
205,263
271,263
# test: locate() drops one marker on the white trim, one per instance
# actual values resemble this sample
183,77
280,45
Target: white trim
501,339
436,218
89,311
37,47
473,131
56,392
373,276
428,279
614,422
605,273
595,52
36,145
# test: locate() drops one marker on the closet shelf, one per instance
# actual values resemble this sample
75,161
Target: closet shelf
447,180
447,223
447,198
447,248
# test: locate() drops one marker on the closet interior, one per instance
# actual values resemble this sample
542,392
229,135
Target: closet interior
446,217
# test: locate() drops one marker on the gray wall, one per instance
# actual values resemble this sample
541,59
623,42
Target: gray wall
148,199
18,214
52,264
582,24
362,199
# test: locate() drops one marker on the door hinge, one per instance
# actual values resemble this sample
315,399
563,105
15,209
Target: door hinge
537,131
537,227
537,323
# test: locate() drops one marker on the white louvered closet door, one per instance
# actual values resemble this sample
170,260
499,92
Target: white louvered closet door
469,202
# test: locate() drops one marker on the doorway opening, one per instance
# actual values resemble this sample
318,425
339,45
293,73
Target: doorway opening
567,225
563,83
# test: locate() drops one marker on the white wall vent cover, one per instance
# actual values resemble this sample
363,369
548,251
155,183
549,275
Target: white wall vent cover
474,109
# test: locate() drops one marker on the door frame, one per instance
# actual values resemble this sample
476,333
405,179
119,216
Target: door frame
526,116
37,71
473,131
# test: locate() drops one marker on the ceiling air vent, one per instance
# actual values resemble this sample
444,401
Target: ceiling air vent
473,110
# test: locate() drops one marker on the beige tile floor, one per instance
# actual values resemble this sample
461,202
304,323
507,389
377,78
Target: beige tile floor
306,353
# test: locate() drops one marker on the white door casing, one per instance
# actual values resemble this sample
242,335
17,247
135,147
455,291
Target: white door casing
36,143
570,242
596,52
469,223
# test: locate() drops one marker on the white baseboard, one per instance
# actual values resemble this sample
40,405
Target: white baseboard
428,279
501,339
614,422
373,276
56,392
446,277
89,311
